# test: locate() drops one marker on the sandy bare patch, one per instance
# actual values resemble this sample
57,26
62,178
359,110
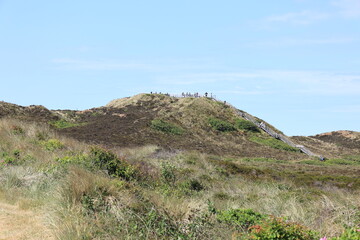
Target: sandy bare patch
18,224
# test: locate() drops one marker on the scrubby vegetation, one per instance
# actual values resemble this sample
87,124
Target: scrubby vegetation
62,123
243,124
90,192
221,125
166,127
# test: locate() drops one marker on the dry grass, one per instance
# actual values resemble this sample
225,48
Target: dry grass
88,204
18,224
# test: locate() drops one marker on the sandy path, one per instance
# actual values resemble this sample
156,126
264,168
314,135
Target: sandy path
18,224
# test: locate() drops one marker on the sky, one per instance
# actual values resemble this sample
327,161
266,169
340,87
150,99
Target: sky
293,63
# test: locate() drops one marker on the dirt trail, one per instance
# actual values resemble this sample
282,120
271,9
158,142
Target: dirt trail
18,224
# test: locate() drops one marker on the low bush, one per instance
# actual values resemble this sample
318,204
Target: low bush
167,172
108,161
10,158
278,229
96,201
166,127
246,125
254,225
221,125
63,124
52,144
348,234
243,218
74,159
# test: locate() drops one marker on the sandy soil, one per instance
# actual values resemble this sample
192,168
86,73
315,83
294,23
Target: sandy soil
18,224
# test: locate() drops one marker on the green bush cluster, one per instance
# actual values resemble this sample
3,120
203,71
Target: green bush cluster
12,158
349,234
278,229
243,218
95,201
52,144
274,143
167,173
221,125
62,123
246,125
166,127
253,225
79,158
108,161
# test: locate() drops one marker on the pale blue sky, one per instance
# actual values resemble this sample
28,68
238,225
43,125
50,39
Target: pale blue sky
293,63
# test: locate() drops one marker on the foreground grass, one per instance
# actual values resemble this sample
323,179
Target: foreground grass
148,193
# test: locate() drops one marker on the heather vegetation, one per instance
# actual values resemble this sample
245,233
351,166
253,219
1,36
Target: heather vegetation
166,127
149,192
221,125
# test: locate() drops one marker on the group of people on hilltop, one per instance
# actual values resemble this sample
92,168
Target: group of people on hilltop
166,94
196,95
187,94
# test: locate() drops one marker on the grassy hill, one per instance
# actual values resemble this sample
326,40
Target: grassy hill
156,167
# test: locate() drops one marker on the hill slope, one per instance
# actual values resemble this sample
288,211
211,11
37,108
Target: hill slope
140,189
200,124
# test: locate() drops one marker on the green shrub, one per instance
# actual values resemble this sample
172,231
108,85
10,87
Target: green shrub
243,218
10,159
221,125
108,161
168,173
62,123
95,201
73,159
278,229
246,125
52,144
274,143
349,234
166,127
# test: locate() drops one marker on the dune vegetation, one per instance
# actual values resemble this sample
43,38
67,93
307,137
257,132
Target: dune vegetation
89,191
